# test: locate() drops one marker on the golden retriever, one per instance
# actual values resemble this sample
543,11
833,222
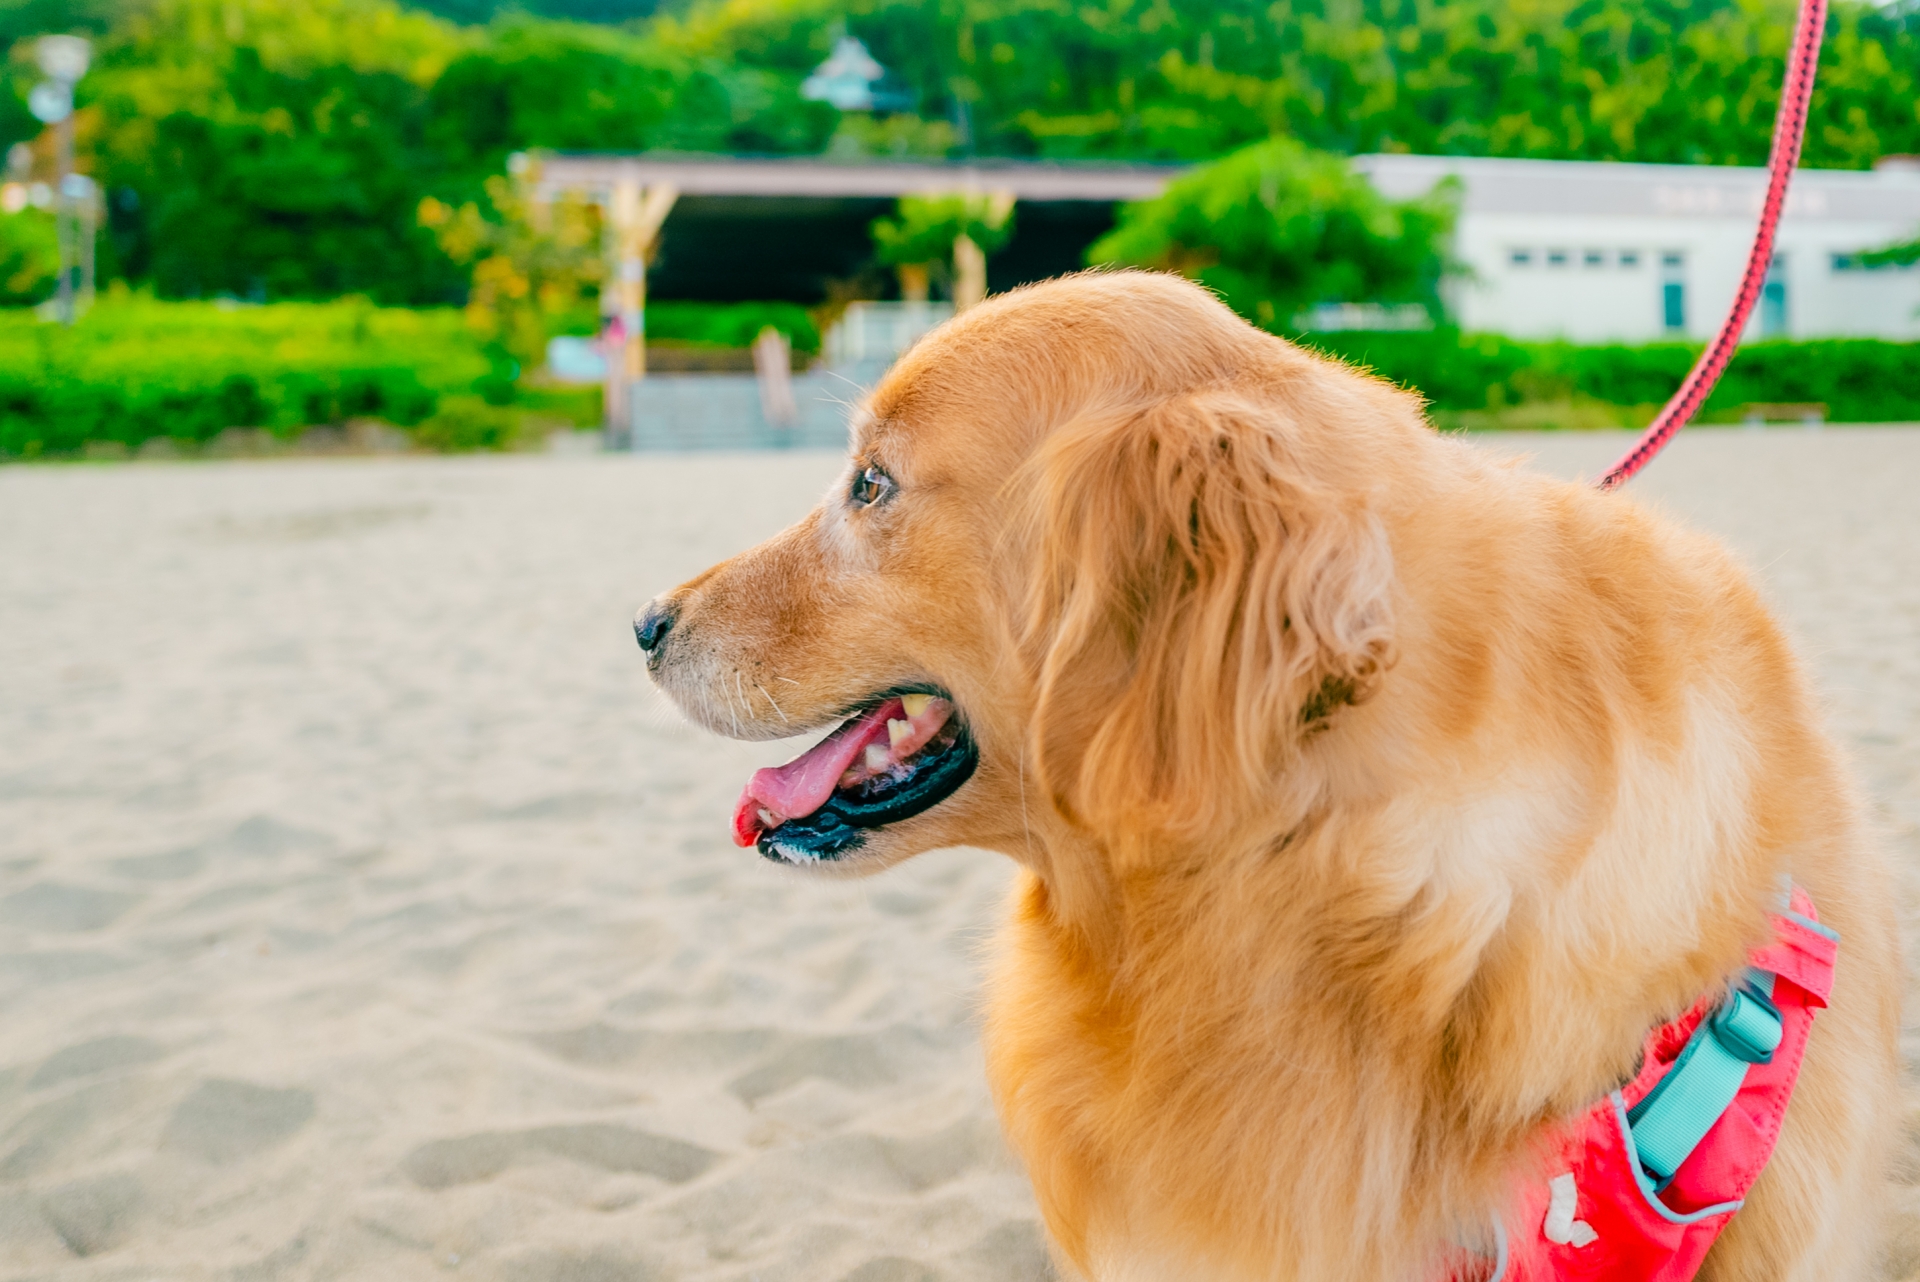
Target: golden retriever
1372,799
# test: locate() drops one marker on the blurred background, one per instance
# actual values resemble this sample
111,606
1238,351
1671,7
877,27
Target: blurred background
363,223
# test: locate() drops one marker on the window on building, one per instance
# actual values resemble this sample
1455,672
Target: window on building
1520,257
1556,258
1594,258
1673,305
1773,299
1629,258
1673,291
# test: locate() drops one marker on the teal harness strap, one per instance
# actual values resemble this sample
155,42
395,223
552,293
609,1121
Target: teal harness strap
1683,1106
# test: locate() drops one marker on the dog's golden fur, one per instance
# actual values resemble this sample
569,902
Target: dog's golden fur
1373,799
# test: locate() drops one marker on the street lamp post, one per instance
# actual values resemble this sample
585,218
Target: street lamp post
64,60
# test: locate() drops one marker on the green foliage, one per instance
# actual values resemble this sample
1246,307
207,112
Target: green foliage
281,148
276,149
1859,380
464,423
461,424
272,148
29,257
1899,255
897,137
1276,228
534,263
924,228
1693,81
568,405
566,87
134,369
730,324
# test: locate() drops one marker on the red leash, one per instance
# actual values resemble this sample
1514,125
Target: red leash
1789,127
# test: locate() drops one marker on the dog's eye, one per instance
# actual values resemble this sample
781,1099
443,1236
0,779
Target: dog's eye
872,486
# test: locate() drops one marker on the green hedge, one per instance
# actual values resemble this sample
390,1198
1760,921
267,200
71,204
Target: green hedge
134,369
730,324
1859,380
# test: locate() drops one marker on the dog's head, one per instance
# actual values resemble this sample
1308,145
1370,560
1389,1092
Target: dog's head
1103,564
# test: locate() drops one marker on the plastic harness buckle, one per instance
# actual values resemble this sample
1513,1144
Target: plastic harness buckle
1683,1106
1748,1025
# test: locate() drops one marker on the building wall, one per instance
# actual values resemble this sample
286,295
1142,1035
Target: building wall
1602,252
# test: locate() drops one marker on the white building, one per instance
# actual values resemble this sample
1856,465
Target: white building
1596,252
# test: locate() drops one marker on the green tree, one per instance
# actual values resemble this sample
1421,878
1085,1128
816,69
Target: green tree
281,147
29,257
1691,81
924,227
535,264
1904,254
568,87
270,148
929,232
1276,228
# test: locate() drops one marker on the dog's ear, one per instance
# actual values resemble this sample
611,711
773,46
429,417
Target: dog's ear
1199,602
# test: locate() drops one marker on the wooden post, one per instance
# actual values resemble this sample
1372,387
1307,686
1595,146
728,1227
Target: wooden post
634,216
969,262
969,273
773,366
914,279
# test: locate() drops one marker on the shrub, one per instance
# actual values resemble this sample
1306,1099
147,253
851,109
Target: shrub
731,324
29,257
925,227
465,423
534,265
1859,380
1276,228
1452,370
134,369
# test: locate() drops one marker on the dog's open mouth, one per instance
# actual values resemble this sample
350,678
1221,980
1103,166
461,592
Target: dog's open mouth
904,754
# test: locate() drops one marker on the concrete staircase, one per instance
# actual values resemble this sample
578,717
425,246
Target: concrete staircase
722,411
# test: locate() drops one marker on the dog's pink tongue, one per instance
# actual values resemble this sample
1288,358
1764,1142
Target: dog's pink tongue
803,785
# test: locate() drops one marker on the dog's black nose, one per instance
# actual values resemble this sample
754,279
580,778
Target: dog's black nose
652,624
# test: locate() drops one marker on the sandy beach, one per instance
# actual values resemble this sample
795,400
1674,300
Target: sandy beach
365,914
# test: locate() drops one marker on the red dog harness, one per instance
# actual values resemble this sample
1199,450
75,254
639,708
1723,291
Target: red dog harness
1647,1179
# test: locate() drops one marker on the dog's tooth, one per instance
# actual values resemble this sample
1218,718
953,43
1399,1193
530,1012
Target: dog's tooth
767,818
915,704
898,730
878,758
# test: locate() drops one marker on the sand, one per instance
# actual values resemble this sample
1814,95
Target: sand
363,913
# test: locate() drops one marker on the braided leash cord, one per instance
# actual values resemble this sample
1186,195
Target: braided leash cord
1789,128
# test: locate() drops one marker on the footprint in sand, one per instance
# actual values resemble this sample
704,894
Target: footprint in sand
57,908
224,1121
90,1058
468,1159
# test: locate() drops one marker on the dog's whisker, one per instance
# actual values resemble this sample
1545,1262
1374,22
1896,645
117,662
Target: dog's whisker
859,389
770,699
